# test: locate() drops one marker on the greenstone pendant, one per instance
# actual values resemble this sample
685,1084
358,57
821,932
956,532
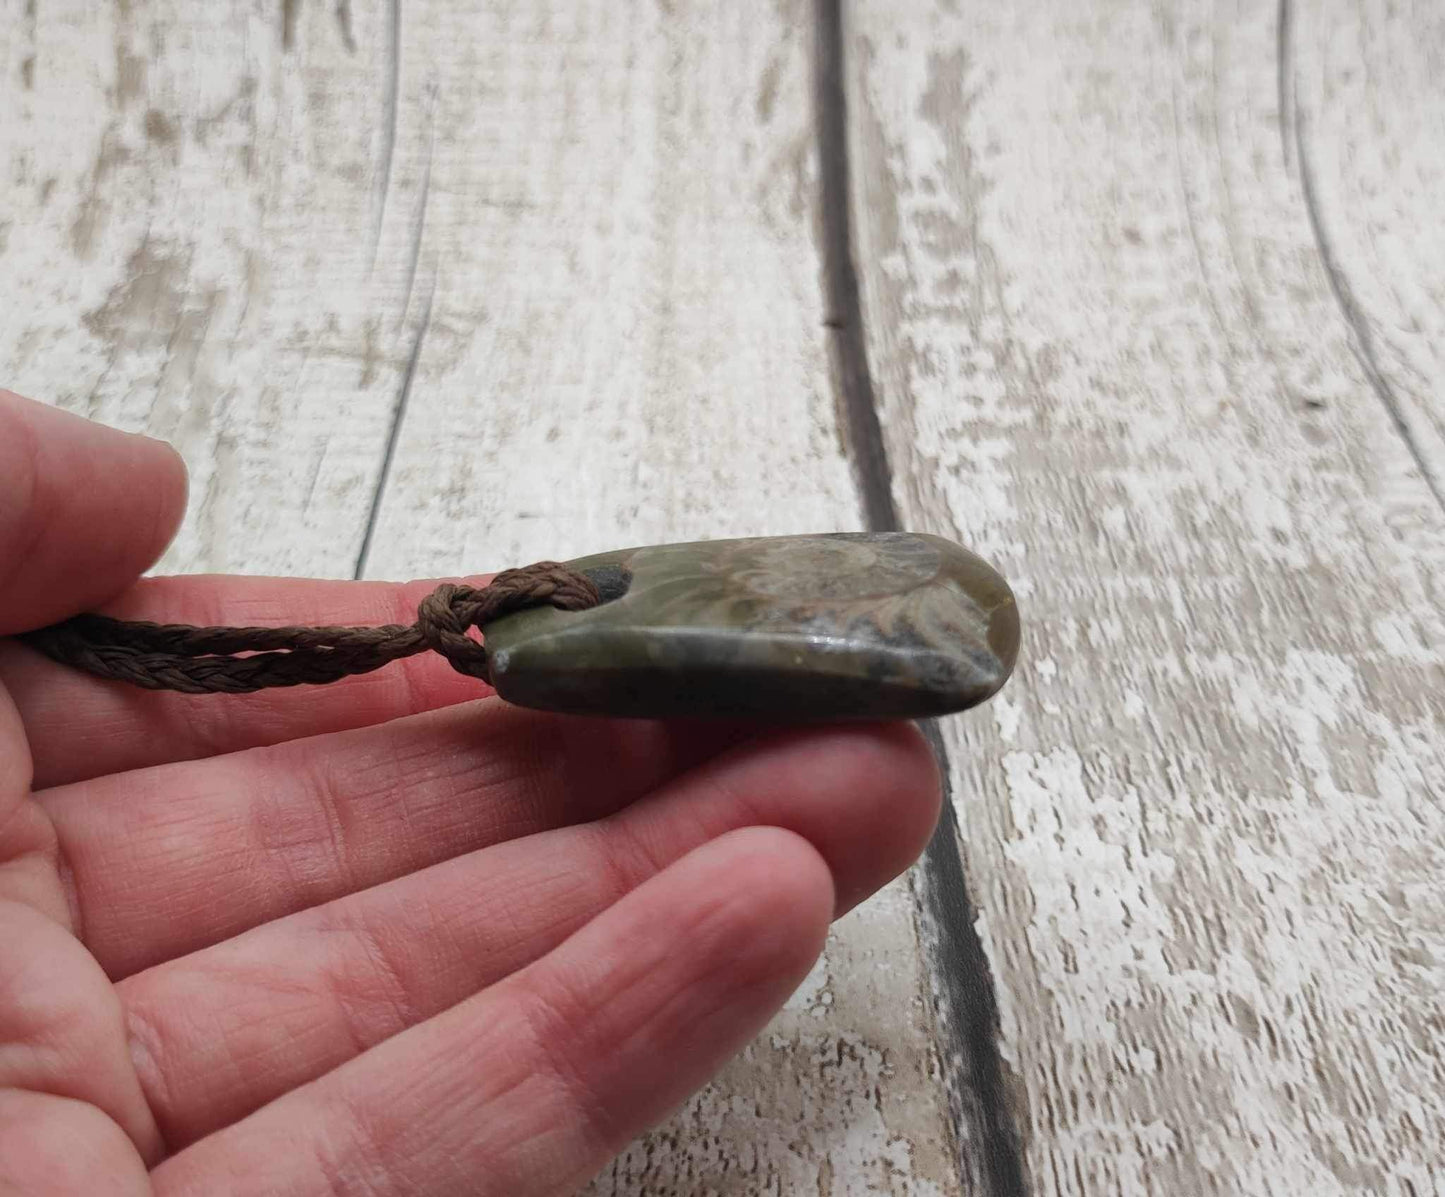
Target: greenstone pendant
796,629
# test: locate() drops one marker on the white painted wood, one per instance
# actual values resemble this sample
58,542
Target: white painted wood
626,338
592,227
1204,824
186,247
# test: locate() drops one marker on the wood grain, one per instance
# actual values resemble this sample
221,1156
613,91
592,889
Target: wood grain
1204,824
192,247
625,341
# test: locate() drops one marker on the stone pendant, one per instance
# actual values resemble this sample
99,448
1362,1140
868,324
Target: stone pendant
793,629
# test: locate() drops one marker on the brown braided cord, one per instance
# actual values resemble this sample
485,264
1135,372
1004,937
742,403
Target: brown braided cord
203,660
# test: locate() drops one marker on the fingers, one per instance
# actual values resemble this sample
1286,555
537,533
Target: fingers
84,510
530,1086
61,1025
220,1033
128,728
27,843
56,1147
169,859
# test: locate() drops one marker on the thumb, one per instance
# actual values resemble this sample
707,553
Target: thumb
84,510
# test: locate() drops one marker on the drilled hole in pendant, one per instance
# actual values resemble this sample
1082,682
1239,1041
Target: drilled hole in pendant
612,581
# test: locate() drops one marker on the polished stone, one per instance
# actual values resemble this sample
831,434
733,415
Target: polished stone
788,629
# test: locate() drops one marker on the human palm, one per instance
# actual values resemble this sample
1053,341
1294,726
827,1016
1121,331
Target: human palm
382,937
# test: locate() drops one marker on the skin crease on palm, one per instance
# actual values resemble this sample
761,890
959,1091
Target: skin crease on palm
385,937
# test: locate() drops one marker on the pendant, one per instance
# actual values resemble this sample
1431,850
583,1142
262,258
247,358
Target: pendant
791,629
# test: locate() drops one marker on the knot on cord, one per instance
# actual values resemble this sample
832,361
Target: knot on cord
446,616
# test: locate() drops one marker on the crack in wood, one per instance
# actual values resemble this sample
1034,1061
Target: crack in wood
844,319
398,416
965,1007
404,391
420,225
390,104
1361,336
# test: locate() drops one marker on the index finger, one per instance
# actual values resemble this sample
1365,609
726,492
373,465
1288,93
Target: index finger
84,510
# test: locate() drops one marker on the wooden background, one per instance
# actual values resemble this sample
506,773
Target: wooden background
1145,302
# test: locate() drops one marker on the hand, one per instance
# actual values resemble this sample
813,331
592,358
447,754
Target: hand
382,937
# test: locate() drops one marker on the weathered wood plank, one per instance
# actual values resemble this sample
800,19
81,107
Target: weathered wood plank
1204,824
192,247
626,336
624,345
